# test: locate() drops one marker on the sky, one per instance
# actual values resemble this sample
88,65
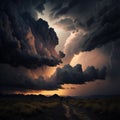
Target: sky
64,47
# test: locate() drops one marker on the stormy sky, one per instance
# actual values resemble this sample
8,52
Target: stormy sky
65,47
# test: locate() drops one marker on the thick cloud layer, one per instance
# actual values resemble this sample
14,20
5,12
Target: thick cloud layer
75,11
99,23
13,79
101,30
98,19
107,27
25,41
75,75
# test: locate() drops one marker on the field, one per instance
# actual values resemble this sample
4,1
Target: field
59,108
98,108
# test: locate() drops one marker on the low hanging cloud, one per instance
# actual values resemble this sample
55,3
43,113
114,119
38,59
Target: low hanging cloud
16,80
75,75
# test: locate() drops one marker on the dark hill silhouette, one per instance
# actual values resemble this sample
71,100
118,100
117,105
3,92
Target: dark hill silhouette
55,96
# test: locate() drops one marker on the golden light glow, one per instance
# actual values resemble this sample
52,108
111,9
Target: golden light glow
68,90
45,72
92,58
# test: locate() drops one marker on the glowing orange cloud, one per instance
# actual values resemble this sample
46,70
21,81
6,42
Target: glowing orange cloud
91,58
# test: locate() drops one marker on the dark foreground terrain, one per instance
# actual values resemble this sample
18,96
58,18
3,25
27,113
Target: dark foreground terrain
19,107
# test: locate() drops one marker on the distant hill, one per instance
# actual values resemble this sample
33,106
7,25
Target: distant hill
55,96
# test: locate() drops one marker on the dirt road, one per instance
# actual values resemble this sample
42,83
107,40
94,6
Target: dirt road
74,113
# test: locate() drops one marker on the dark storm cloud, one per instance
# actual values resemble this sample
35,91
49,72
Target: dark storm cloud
99,18
25,41
13,79
70,5
65,6
18,58
107,28
17,28
75,75
99,27
79,11
30,6
112,51
40,7
91,73
115,64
